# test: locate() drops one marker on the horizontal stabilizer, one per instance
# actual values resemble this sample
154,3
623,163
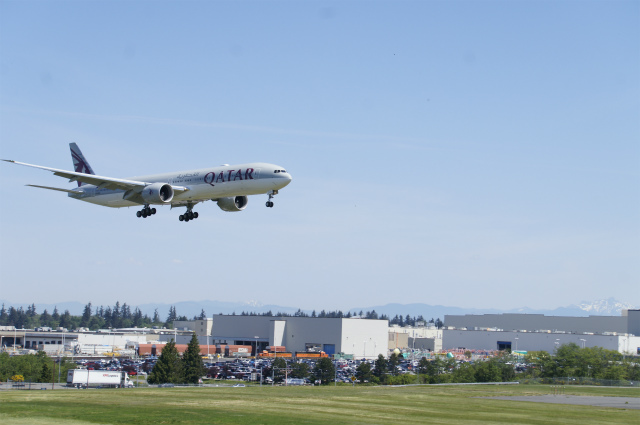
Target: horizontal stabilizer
54,188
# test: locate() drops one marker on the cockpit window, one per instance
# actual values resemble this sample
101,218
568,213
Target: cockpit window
280,171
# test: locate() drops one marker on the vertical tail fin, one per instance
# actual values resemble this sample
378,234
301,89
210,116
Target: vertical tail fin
80,164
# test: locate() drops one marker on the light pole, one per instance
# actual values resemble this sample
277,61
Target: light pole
364,351
517,343
583,341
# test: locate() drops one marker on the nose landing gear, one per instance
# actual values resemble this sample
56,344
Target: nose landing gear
146,212
271,194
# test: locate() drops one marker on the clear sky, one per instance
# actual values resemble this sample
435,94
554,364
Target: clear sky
478,154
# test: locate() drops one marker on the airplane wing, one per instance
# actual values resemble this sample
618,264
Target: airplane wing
54,188
99,181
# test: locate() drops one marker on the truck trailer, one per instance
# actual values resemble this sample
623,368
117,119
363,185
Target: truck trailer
83,378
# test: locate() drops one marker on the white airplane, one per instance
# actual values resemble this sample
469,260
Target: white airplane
228,185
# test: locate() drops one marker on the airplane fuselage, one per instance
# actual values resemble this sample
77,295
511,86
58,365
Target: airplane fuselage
203,184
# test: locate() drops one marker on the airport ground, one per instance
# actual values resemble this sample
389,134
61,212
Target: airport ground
453,404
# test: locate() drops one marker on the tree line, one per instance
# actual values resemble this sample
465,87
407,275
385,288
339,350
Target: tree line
399,320
123,316
118,316
569,361
595,363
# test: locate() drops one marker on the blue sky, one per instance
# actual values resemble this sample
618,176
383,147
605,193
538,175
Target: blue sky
479,154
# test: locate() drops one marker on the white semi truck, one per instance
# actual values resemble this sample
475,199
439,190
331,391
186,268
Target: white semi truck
82,378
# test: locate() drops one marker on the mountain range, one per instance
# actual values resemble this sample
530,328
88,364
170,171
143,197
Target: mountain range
604,307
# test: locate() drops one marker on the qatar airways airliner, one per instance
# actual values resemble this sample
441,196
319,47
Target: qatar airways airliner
228,185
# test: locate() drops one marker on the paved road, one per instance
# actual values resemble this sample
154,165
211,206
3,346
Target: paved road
617,402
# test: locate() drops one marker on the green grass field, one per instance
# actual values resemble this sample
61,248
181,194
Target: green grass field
308,405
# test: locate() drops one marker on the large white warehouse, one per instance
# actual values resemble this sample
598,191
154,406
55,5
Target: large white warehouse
359,337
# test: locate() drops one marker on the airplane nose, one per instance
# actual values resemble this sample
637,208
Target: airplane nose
287,177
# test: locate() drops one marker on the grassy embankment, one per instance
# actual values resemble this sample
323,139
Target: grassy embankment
308,405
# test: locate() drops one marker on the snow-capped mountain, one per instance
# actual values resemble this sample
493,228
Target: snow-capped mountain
606,307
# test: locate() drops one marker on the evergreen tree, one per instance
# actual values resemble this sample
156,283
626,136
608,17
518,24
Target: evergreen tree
55,316
278,369
168,368
423,366
156,316
4,317
108,317
45,318
86,316
138,320
300,370
46,374
126,312
324,371
203,315
66,321
392,363
363,372
171,317
192,365
381,368
116,316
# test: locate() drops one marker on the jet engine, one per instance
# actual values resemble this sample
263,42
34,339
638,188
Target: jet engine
233,203
157,193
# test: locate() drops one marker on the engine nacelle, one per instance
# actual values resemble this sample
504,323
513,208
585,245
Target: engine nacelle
157,193
233,203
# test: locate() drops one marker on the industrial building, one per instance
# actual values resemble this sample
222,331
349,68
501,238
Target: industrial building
362,338
627,323
537,332
62,342
418,338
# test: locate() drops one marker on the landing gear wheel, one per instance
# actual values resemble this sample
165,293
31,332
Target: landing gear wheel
145,212
189,214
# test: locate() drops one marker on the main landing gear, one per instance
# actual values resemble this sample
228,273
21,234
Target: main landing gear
189,215
271,194
146,212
